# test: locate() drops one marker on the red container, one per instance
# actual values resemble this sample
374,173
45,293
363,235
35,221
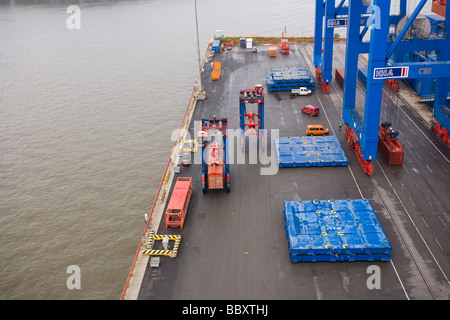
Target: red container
339,75
284,46
179,203
438,8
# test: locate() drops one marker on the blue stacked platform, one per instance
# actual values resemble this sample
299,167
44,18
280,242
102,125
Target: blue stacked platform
309,151
334,230
286,79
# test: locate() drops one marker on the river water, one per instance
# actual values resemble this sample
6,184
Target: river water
86,117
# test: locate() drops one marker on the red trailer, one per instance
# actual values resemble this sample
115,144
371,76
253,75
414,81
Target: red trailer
179,203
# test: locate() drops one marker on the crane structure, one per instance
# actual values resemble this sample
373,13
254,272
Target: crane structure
386,52
251,123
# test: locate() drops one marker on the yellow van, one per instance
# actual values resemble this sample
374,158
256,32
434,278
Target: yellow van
316,130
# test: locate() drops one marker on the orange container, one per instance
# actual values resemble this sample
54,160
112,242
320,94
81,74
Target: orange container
272,52
179,203
215,176
215,74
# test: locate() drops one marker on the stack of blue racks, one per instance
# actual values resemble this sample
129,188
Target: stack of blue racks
334,230
309,151
286,79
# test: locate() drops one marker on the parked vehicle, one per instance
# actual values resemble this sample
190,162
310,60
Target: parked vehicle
302,91
311,110
316,130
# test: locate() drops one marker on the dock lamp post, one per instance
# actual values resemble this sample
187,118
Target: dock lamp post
198,52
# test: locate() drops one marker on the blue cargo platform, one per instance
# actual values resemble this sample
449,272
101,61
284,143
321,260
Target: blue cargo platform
285,79
334,230
309,151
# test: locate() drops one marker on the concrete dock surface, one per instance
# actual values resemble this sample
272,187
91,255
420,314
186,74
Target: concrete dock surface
234,244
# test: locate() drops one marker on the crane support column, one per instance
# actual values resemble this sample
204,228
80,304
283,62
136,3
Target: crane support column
318,33
351,65
441,108
374,91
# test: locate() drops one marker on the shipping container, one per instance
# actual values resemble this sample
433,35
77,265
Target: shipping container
272,52
215,176
179,202
339,75
217,69
249,43
439,8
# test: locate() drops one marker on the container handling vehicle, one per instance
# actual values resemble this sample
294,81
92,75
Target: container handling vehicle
179,202
215,166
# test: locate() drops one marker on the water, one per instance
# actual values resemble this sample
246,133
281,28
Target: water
85,123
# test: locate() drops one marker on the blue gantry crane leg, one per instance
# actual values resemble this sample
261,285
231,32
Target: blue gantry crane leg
362,133
441,107
328,16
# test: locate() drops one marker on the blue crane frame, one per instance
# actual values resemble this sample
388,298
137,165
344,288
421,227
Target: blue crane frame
381,66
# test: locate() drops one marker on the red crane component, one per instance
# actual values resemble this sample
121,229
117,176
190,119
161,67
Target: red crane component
252,124
442,133
389,146
284,42
353,142
319,78
179,203
393,83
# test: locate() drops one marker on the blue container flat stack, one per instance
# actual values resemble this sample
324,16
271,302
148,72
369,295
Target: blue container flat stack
286,79
334,230
309,151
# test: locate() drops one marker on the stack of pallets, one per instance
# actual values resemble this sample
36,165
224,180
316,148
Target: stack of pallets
286,79
334,230
309,152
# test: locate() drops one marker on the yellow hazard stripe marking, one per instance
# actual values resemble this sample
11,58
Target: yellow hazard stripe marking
194,149
158,253
161,236
153,237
